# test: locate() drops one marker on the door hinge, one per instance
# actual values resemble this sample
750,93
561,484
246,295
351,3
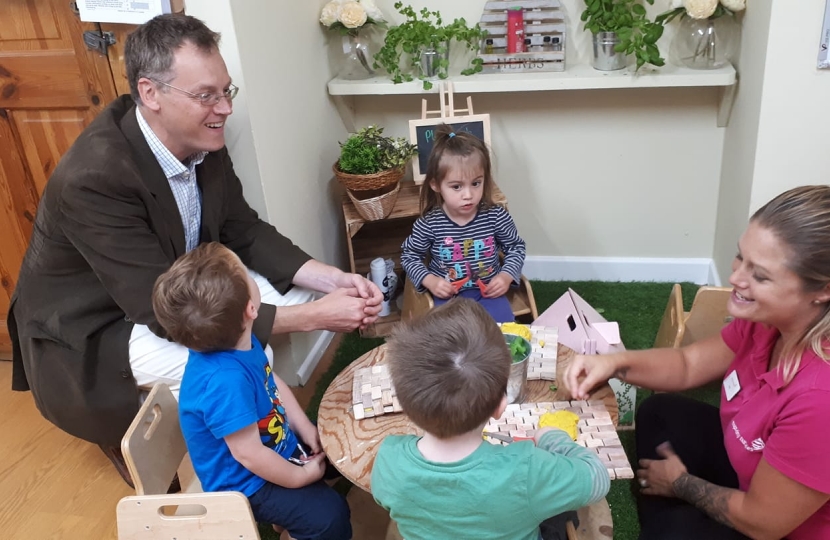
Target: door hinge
98,41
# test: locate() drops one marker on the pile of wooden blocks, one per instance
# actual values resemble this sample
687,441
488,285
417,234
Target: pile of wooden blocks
544,343
373,393
595,427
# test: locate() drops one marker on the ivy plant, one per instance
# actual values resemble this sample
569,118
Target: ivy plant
638,35
425,30
368,151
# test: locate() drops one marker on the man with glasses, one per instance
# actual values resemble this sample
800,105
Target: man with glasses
148,180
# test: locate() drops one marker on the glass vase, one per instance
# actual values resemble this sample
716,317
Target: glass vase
705,43
359,47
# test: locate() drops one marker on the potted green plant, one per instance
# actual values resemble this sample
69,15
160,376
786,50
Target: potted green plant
370,167
621,28
424,41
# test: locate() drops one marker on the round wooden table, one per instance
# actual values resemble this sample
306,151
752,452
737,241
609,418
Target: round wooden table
351,445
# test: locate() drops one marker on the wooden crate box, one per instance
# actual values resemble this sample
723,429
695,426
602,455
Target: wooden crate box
544,27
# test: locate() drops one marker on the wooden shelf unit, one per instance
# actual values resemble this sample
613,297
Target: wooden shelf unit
368,240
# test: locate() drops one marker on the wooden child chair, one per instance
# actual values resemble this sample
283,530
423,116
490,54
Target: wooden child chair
154,449
672,325
706,318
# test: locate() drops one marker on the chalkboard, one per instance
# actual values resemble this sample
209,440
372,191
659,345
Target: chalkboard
422,133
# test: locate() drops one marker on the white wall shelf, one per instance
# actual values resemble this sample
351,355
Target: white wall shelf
578,77
575,77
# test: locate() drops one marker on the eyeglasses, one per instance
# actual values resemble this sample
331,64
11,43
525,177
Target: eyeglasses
207,99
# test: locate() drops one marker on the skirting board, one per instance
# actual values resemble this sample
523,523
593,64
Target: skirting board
700,271
313,357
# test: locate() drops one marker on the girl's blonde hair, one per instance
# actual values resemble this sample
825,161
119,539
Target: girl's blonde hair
452,143
800,219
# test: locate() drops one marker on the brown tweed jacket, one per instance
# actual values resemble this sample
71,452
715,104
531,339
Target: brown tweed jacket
106,228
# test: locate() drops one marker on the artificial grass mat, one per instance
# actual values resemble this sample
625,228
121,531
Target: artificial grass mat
636,306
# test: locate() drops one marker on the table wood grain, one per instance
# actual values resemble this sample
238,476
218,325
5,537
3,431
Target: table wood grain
351,445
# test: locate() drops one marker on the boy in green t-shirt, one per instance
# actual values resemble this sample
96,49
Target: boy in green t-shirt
450,370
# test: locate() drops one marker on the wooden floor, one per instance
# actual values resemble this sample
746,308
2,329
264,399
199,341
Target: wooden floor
56,487
52,485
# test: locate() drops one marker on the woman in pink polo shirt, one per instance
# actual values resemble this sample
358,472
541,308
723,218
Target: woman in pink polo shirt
758,467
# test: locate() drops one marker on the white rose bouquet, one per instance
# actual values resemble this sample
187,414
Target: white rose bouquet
347,16
701,9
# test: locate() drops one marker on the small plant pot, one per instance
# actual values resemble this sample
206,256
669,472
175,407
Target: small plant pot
434,62
517,381
605,57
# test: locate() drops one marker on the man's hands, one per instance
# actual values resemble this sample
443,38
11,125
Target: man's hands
498,285
440,288
354,303
657,476
365,289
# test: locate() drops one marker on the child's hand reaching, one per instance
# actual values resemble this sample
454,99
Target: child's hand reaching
440,288
498,285
314,468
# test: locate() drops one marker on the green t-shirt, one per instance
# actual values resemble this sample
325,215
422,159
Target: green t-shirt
497,492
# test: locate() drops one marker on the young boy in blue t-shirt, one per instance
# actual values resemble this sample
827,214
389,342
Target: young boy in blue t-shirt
243,427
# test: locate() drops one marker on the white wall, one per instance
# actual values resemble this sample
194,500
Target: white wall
776,138
284,131
795,110
238,134
740,144
596,172
602,173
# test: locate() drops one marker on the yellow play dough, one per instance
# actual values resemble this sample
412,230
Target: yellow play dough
564,420
516,329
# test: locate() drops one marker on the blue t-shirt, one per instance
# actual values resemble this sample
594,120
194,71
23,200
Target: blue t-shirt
221,393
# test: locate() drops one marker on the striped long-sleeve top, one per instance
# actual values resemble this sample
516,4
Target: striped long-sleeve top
470,251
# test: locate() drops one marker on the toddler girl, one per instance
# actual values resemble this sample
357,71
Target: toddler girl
462,230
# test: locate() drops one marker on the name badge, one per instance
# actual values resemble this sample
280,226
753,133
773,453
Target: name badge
731,385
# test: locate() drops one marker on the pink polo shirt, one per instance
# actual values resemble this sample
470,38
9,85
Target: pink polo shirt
788,425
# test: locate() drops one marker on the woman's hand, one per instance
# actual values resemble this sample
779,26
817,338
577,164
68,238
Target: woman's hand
595,370
440,288
657,476
498,285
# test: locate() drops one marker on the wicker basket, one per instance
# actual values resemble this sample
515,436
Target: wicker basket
368,182
376,207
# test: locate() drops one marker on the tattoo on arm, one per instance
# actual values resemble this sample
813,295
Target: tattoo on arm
621,373
712,499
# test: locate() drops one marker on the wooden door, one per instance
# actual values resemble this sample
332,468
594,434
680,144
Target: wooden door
51,87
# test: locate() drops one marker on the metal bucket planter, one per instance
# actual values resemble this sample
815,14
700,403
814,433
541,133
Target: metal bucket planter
434,61
605,57
517,382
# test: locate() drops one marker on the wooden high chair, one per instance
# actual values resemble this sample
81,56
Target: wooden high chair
154,449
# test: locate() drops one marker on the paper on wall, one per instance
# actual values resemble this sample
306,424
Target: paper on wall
122,11
824,42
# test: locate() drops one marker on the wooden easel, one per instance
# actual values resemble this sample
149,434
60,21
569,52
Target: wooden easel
446,108
446,113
